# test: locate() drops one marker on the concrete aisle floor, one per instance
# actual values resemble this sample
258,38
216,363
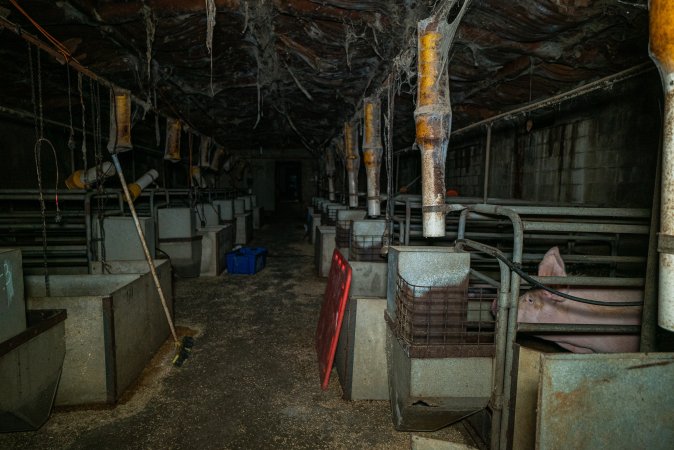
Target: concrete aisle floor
252,381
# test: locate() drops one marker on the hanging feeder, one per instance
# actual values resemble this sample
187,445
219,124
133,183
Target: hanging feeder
330,172
205,152
433,116
372,152
172,150
352,162
218,158
119,139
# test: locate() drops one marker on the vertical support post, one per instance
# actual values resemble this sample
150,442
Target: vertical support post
433,120
487,161
352,161
662,52
372,153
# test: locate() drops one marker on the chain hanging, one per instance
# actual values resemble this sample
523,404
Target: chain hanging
84,121
36,99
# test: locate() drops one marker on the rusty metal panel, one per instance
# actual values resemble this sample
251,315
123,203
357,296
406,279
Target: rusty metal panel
616,401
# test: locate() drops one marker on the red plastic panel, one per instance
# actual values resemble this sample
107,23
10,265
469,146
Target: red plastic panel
332,313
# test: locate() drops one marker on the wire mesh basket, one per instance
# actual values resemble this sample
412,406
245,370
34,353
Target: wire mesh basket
343,233
366,248
332,216
433,321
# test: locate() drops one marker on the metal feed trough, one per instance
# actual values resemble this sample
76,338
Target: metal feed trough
440,338
343,224
367,239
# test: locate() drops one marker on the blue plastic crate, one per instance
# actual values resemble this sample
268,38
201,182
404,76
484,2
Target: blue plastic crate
247,260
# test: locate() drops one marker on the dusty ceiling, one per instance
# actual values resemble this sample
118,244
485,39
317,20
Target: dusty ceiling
285,69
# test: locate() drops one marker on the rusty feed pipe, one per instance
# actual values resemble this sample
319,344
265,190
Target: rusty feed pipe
433,119
662,53
372,151
330,172
352,162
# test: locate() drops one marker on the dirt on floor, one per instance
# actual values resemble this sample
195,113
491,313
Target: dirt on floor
252,378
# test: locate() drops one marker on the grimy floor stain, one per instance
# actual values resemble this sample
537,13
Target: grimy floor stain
252,380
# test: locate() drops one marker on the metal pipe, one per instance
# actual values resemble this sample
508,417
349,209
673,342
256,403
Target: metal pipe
487,161
582,328
499,401
518,243
589,227
433,121
602,83
649,311
662,52
352,162
372,153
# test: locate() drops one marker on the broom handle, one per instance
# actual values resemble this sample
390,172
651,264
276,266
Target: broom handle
143,243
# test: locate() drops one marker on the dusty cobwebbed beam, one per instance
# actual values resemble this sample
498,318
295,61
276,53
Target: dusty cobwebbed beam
352,162
372,153
433,116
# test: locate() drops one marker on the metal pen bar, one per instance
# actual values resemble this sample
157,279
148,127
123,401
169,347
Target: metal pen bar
585,227
591,281
582,328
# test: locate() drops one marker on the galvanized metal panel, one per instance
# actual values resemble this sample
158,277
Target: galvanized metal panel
616,401
12,305
30,372
368,279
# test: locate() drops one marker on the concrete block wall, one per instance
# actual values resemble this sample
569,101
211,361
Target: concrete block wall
604,155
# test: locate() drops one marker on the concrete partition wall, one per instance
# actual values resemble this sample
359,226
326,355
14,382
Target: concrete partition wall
325,246
216,242
361,351
430,393
115,325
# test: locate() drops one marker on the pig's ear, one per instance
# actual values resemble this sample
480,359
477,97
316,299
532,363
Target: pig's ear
552,264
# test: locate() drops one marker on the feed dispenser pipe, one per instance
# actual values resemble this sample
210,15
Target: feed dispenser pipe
172,149
433,116
372,152
661,48
83,179
141,183
352,162
330,169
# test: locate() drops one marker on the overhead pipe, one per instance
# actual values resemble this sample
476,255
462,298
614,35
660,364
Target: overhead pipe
662,52
352,162
330,172
372,152
433,116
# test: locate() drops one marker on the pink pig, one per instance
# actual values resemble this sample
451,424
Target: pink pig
540,306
